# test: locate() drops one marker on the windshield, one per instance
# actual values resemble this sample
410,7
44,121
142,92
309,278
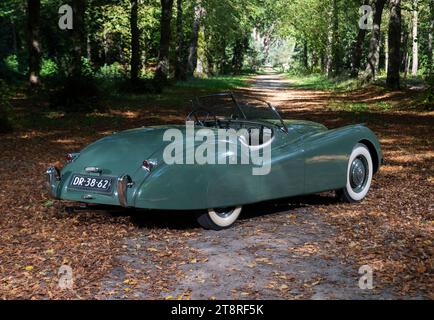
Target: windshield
227,106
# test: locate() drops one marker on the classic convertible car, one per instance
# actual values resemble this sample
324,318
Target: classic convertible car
131,168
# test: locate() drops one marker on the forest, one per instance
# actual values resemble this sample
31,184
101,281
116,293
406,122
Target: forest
95,46
74,71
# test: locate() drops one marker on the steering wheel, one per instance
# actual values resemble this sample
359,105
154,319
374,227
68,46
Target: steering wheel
206,113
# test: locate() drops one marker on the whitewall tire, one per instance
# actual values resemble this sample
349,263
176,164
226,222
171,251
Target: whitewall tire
218,219
359,174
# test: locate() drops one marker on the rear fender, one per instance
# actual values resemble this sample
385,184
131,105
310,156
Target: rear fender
327,154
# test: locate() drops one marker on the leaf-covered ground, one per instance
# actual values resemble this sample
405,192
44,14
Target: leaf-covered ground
309,247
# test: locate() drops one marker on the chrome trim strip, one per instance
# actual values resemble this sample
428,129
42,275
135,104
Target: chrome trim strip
121,186
53,177
93,170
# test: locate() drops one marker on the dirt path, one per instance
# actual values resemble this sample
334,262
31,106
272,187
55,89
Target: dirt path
297,248
276,251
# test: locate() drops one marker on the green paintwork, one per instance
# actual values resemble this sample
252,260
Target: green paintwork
308,159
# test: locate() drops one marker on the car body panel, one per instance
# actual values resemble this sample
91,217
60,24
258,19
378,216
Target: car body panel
308,158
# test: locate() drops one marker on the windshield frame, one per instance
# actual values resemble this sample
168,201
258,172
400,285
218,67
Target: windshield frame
237,106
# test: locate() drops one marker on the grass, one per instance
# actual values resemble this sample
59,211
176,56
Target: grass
343,84
360,106
322,82
215,83
182,91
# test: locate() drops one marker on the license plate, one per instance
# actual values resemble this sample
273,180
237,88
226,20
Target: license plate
91,183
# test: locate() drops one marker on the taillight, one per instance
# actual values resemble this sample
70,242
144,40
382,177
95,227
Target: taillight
71,157
149,164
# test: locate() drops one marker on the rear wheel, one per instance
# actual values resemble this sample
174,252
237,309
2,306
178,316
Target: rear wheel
359,175
218,219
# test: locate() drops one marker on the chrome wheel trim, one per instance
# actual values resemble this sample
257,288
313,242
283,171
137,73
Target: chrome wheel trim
359,173
224,212
360,151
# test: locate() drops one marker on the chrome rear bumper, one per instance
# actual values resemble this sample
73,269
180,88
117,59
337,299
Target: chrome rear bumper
53,178
123,183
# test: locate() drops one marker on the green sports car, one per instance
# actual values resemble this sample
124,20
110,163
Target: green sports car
231,151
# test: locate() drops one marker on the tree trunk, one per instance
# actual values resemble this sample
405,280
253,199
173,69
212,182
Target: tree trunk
238,56
266,44
336,45
407,65
394,44
179,67
314,60
34,44
386,51
430,31
374,43
356,57
333,62
208,52
78,37
192,55
329,51
162,71
14,39
135,42
305,56
105,45
223,57
323,61
415,40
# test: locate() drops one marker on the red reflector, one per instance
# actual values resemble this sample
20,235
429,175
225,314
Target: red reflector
146,164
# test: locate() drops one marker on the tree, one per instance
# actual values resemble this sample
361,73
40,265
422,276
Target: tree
430,36
374,43
78,37
240,46
415,39
179,66
336,49
329,45
394,44
192,55
135,42
356,56
34,43
162,71
305,56
333,56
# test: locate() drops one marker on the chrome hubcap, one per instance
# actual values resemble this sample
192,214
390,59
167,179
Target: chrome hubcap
359,173
224,212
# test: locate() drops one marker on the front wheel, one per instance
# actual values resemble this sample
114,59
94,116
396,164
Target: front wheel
218,219
359,175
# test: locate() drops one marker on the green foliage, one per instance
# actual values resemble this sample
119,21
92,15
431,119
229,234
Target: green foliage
113,71
234,35
49,68
11,62
86,68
